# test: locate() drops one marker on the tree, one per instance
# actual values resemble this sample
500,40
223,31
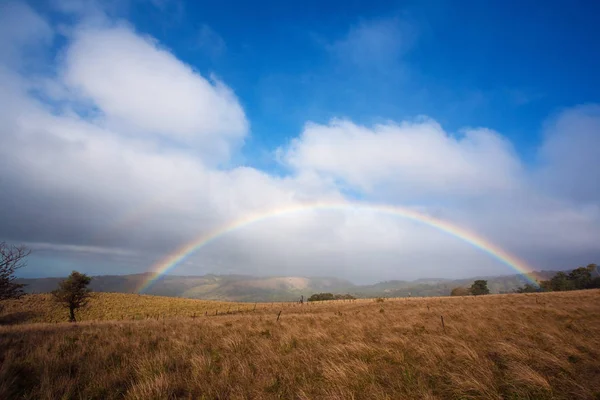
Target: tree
73,292
594,283
11,258
460,291
479,287
558,283
580,277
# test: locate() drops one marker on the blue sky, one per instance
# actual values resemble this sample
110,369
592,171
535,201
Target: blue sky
503,65
132,127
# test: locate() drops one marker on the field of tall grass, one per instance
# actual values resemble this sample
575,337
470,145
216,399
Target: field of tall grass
113,306
520,346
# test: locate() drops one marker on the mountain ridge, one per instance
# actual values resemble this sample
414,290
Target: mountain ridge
251,288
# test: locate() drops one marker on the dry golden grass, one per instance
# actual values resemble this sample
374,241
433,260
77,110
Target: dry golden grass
112,306
541,346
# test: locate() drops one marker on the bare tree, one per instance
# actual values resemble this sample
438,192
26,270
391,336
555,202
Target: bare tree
12,258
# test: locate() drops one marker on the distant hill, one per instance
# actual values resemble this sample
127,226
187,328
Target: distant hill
442,287
248,288
208,287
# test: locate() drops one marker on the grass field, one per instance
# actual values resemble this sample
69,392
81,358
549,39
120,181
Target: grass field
113,306
535,346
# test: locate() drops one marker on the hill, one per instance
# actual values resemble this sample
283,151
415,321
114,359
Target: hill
207,287
518,346
432,287
257,289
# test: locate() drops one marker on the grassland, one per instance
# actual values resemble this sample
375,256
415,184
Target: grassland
113,306
537,346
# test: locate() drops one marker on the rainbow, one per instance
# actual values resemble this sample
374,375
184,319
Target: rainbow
174,259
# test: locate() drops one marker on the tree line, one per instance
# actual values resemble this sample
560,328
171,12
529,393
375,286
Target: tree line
330,296
577,279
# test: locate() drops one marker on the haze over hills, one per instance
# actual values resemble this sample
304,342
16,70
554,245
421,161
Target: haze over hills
209,287
287,288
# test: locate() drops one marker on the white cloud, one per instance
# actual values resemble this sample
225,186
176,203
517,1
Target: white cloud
142,88
569,155
409,160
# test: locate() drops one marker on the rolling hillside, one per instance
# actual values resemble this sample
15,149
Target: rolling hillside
252,289
208,287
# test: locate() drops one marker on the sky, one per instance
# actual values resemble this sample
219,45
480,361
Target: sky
131,128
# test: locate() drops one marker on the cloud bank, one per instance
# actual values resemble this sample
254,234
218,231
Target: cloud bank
118,153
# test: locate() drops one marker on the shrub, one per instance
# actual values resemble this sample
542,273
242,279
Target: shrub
330,296
321,297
